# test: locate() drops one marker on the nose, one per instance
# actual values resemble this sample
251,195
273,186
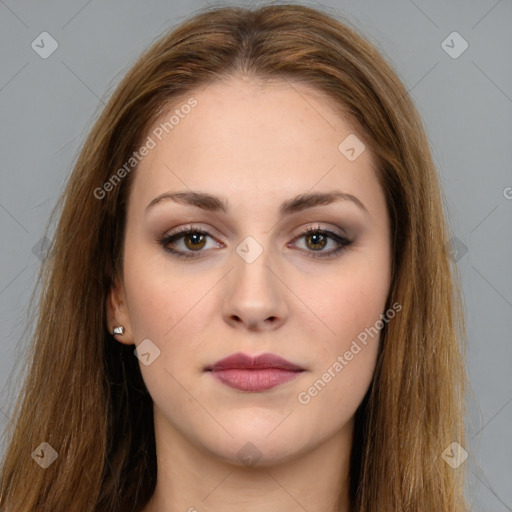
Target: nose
255,294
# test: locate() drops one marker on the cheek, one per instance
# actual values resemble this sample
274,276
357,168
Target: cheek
330,399
161,301
345,354
347,336
168,309
347,304
173,310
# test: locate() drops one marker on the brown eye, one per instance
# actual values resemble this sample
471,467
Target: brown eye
316,239
319,241
194,240
197,240
187,243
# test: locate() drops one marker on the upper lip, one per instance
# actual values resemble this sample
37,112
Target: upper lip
247,362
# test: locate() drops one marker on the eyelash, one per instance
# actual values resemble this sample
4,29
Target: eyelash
188,230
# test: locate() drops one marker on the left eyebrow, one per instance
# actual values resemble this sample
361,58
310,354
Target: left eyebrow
296,204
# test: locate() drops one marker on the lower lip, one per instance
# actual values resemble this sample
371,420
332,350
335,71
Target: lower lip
254,380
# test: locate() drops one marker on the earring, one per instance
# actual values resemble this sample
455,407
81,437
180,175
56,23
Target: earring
118,330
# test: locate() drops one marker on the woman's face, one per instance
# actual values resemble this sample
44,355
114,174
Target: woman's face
248,280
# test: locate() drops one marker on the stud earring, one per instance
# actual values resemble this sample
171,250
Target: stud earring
118,330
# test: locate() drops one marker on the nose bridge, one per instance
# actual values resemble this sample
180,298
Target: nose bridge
255,293
252,260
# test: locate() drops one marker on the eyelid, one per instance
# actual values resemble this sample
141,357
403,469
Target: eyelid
318,227
303,231
342,240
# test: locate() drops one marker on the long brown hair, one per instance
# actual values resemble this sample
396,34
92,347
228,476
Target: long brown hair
83,393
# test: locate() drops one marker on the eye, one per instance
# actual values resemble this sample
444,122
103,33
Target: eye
195,240
317,239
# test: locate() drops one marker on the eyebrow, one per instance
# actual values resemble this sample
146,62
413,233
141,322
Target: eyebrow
296,204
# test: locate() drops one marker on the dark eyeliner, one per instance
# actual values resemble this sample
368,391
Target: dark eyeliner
168,239
343,242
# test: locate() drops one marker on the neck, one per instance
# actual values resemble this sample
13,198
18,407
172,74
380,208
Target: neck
193,480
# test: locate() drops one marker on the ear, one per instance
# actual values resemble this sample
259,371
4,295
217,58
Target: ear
118,314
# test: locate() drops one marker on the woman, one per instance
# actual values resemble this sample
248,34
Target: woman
257,214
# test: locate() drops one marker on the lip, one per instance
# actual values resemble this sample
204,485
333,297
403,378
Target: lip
242,361
246,373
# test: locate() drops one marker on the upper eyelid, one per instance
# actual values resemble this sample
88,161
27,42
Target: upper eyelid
341,240
187,229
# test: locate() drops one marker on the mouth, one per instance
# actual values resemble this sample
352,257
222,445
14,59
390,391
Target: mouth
254,374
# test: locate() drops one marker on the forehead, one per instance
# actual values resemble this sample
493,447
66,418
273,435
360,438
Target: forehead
244,138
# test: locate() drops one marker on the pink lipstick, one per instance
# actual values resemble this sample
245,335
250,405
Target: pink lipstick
245,373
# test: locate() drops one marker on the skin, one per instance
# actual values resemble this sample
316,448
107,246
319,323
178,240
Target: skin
257,146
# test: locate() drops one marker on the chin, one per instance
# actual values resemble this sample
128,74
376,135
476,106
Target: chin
254,447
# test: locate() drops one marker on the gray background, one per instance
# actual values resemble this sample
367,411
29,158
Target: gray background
48,105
